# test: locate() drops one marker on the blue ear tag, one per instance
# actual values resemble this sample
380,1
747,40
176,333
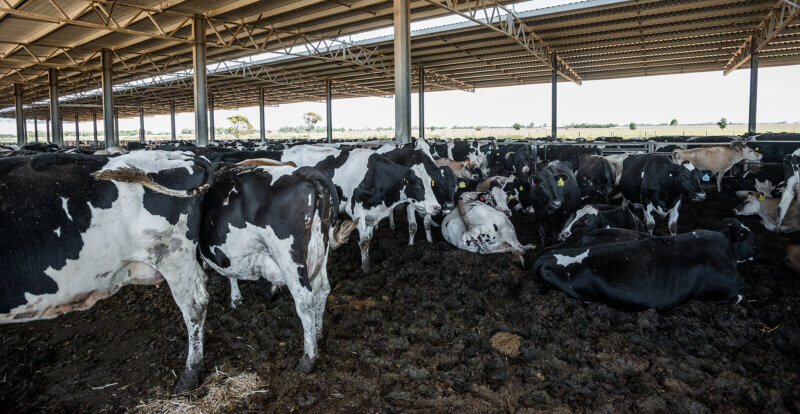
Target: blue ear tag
706,177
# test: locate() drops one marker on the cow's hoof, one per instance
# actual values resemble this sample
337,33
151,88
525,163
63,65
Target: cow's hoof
305,365
189,381
236,303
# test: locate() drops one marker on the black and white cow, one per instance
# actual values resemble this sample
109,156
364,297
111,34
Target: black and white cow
596,177
459,150
656,185
274,223
369,186
634,270
555,196
76,228
600,216
791,190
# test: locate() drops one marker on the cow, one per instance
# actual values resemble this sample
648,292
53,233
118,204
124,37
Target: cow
570,153
442,184
111,151
458,150
479,228
275,223
595,177
461,169
598,216
616,161
555,196
656,185
76,228
369,186
765,179
633,270
791,190
757,203
717,160
495,197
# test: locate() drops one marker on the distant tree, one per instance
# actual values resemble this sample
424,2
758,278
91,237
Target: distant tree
311,119
722,123
632,126
187,131
517,126
241,125
674,122
478,128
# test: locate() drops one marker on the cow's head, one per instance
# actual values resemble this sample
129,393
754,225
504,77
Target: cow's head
751,203
499,200
582,221
747,152
549,188
420,194
740,238
688,178
445,189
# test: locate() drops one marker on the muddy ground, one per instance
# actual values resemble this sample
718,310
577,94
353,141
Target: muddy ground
419,340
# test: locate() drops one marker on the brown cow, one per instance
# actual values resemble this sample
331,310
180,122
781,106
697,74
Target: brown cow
461,169
266,162
767,209
718,160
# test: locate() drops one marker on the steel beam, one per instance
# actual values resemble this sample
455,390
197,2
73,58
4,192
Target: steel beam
94,124
47,129
110,137
751,125
777,19
55,116
328,110
554,104
77,131
35,130
172,119
200,87
141,125
421,102
262,122
402,71
115,127
20,115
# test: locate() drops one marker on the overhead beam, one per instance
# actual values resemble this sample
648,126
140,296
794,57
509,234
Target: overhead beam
493,15
777,19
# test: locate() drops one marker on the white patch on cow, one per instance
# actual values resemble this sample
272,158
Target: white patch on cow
564,260
688,166
57,231
310,199
738,298
585,210
152,161
277,171
64,202
228,197
765,187
642,174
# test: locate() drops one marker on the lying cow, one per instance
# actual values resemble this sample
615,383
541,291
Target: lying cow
718,160
555,197
76,228
479,228
634,270
600,216
767,208
595,177
275,223
791,190
654,184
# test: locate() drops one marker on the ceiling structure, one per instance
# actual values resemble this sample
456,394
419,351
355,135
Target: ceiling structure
152,47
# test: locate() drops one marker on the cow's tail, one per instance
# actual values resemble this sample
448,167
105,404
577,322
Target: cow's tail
336,233
131,174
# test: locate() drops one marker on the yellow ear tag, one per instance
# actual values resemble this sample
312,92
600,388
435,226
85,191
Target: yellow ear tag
461,184
756,148
510,196
520,188
761,197
433,184
560,182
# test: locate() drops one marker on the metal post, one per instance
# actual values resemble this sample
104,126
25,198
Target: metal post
211,133
141,125
199,64
110,137
262,122
47,128
21,138
328,110
554,107
35,129
77,131
94,125
751,126
402,71
172,119
115,126
55,117
421,103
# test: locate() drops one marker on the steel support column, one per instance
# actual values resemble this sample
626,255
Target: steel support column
35,130
262,122
115,126
421,103
109,135
172,119
77,131
94,125
200,90
20,115
554,107
141,125
212,135
751,125
402,71
328,110
55,116
47,130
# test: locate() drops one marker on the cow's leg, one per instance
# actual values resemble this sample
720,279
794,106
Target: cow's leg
391,220
624,202
650,222
321,293
412,223
427,221
187,282
789,194
673,218
236,294
364,237
305,305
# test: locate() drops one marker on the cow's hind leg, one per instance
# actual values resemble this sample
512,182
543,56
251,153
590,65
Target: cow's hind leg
412,223
236,294
673,218
305,305
364,238
427,222
649,221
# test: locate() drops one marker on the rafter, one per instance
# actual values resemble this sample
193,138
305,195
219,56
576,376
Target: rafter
777,19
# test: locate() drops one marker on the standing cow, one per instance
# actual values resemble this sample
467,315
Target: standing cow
718,160
656,185
555,197
595,177
76,228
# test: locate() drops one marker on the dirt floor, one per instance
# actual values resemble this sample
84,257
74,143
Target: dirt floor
416,337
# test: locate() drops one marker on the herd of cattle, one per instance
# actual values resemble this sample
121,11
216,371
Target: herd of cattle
77,227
